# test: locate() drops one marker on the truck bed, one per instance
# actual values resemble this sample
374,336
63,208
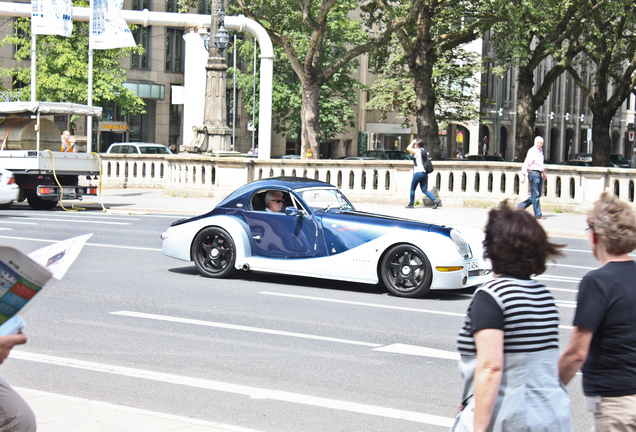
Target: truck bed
27,162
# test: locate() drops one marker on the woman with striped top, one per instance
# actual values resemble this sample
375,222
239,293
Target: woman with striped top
509,344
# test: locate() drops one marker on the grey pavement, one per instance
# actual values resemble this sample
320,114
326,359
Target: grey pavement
56,413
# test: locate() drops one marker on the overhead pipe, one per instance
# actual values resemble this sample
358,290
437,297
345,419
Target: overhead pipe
238,23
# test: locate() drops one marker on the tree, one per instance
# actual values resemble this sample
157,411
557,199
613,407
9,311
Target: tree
62,68
437,29
526,34
453,85
337,96
606,70
319,38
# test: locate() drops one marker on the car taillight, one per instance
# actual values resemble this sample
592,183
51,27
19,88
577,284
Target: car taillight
45,191
11,180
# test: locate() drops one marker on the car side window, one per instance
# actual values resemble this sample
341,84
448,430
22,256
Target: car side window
133,150
257,203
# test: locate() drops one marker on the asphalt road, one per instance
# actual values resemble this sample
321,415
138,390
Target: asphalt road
129,326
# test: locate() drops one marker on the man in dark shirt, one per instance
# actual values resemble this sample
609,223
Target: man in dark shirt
603,340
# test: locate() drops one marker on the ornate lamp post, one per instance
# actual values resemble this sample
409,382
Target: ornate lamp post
215,111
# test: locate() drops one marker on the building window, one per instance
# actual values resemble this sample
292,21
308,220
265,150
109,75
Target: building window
141,5
174,50
172,6
142,37
203,7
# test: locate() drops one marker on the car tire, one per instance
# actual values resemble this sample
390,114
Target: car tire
406,271
214,253
6,205
37,203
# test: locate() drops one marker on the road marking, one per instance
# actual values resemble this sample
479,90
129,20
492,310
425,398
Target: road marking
563,289
253,392
18,223
399,348
558,278
571,266
364,304
84,214
239,327
86,244
37,398
79,221
570,305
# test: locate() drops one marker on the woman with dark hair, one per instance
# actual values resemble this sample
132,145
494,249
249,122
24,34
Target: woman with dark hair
509,344
420,176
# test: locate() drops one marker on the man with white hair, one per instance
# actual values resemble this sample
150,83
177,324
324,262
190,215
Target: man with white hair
274,201
533,167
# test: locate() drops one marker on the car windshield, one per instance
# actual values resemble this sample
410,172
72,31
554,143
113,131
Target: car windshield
325,199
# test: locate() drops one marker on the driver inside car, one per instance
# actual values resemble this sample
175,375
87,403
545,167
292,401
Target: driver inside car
274,202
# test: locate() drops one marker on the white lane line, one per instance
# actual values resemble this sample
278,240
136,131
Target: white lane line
558,279
37,398
86,244
571,305
81,214
239,327
253,392
364,304
572,266
577,250
79,221
564,290
18,222
399,348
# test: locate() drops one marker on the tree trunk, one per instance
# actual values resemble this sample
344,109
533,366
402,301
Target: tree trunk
426,121
310,115
526,116
601,140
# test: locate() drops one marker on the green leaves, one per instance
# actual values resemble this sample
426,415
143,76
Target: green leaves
62,68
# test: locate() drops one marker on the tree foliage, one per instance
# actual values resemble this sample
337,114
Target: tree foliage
336,99
62,68
428,43
606,69
526,34
320,39
453,82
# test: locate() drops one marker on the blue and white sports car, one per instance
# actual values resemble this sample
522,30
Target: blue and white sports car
318,233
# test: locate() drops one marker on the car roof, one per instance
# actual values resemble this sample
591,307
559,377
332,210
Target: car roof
242,194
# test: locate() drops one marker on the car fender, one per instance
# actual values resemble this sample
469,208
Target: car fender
177,240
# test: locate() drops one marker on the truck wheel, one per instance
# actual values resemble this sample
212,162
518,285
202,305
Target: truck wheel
38,203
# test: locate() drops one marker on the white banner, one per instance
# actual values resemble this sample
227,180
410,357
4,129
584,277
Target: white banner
109,29
54,17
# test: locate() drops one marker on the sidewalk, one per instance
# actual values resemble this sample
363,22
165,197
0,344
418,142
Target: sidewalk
157,201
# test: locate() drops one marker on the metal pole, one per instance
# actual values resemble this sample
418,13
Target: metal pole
33,68
89,101
234,95
254,97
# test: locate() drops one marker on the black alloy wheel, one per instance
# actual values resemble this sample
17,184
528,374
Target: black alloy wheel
406,271
214,253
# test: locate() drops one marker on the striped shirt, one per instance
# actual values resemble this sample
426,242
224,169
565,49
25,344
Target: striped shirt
531,318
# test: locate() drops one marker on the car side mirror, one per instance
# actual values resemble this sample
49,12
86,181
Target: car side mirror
293,211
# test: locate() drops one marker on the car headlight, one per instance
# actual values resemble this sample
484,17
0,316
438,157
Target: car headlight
462,246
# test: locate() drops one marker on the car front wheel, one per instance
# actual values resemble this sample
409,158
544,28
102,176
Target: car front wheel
213,253
406,271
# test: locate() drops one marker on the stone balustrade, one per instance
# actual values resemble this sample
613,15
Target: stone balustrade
458,183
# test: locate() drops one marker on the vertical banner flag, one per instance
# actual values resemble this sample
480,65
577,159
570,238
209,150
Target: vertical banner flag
54,17
109,27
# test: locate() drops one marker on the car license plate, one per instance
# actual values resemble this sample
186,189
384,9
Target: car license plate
472,264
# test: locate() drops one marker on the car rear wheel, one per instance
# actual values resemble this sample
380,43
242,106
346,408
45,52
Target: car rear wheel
214,253
406,271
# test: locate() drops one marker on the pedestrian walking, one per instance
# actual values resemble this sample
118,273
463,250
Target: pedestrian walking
15,413
603,340
420,176
534,169
509,344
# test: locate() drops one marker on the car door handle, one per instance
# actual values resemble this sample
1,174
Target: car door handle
256,237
